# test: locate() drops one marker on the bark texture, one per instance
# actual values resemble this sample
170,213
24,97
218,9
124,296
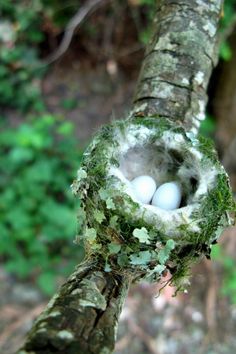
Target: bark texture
178,62
82,318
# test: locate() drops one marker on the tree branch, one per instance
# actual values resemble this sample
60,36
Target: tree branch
178,62
83,316
86,10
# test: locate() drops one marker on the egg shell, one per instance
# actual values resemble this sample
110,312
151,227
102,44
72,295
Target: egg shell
168,196
144,188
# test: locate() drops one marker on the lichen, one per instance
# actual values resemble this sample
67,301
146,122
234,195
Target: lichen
65,335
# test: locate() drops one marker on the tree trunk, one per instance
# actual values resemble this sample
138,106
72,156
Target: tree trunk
82,317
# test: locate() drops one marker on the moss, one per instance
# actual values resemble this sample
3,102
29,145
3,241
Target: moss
112,215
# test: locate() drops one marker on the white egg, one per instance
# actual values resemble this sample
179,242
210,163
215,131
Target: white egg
168,196
144,187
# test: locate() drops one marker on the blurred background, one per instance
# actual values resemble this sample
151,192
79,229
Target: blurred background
66,68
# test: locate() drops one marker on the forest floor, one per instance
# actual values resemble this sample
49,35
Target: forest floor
202,321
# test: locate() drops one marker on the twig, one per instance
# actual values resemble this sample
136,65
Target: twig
89,7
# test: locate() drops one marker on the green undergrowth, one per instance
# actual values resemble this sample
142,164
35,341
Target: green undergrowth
38,160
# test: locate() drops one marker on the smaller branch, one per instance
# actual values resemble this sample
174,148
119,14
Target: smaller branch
83,316
89,7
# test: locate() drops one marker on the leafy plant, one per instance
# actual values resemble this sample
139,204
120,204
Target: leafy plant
208,126
38,160
227,20
20,34
23,28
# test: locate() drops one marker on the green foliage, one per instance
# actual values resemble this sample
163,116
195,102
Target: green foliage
227,20
20,33
149,7
38,160
23,27
225,51
208,126
228,14
229,268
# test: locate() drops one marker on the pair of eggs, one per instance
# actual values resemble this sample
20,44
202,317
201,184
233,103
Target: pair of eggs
167,196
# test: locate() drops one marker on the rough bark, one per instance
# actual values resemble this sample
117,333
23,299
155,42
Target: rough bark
83,317
178,62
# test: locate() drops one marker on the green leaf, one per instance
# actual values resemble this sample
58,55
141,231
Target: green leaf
208,126
226,51
99,216
142,235
46,282
114,247
141,258
20,266
216,253
66,128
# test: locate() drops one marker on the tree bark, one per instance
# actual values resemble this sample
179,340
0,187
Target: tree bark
178,62
82,317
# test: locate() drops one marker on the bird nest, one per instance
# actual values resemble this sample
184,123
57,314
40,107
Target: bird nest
143,239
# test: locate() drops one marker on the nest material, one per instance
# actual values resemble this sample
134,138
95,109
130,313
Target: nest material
142,239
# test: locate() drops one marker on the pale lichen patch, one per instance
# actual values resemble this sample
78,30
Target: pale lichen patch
76,292
185,81
54,314
201,111
210,29
65,335
199,78
165,43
